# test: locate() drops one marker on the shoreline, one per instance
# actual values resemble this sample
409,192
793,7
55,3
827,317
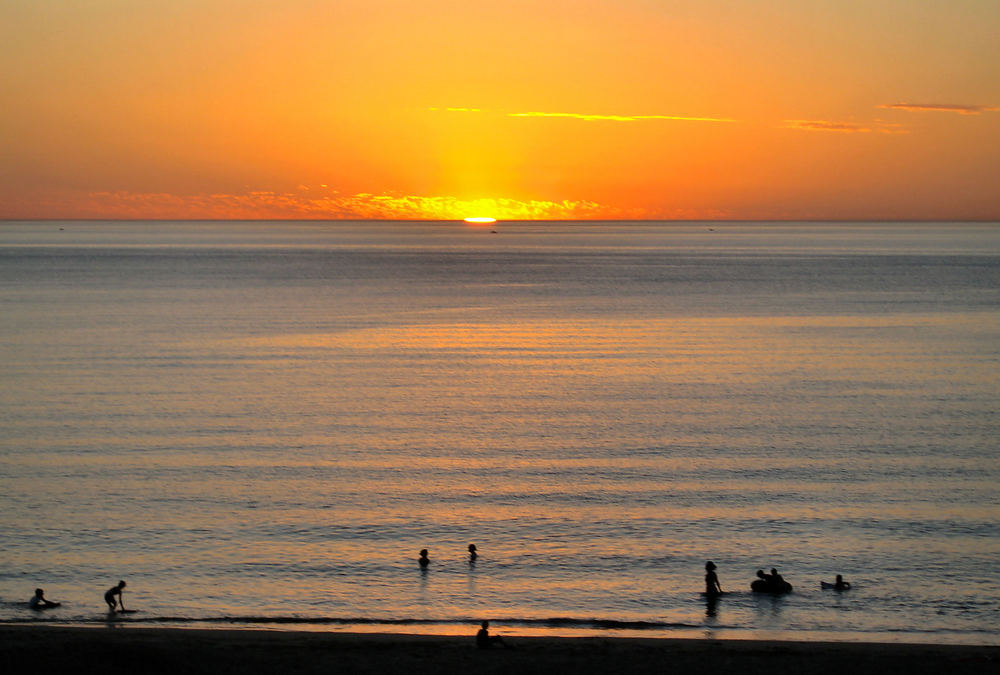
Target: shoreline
200,650
516,629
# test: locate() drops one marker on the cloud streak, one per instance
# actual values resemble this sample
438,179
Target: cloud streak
940,107
620,118
843,127
457,109
310,204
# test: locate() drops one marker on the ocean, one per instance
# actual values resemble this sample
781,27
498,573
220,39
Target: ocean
261,424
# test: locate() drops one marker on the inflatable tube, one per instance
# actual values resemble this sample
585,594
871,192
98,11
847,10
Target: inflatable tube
762,586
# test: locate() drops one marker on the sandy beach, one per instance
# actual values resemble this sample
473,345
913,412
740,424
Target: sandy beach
162,650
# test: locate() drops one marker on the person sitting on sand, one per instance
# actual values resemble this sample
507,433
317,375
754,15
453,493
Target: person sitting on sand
472,553
109,597
712,586
841,585
483,638
424,560
38,601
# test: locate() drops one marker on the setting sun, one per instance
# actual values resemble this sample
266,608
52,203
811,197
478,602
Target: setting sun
480,220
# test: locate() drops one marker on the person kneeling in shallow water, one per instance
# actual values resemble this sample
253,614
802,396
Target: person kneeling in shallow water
483,638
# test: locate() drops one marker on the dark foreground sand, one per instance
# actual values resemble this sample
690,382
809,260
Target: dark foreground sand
161,650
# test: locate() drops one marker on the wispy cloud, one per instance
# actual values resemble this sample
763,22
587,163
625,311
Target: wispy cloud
844,127
457,109
941,107
620,118
306,203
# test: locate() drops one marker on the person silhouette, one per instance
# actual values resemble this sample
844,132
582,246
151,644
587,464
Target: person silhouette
483,638
472,553
109,597
770,583
838,585
38,601
779,583
712,585
424,560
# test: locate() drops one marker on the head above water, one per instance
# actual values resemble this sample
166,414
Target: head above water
710,566
39,592
773,571
472,548
760,573
121,584
423,553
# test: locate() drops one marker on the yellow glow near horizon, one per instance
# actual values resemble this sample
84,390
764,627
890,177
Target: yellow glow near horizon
609,109
480,220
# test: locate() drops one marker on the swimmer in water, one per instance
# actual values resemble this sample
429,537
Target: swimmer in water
472,553
424,560
770,583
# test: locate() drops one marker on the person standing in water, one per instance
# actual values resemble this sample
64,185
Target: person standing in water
712,585
472,554
424,560
115,605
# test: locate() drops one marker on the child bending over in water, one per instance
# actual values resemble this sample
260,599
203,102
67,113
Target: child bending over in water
113,603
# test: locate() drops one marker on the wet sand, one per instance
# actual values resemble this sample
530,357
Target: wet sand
251,652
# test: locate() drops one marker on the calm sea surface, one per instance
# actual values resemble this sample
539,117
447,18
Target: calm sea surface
263,423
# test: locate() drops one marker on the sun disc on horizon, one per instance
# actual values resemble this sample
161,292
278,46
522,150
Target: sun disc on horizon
480,220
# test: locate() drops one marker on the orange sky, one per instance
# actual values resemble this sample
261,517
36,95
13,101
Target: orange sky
662,109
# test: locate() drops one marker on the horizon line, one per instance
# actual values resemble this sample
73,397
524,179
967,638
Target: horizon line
511,220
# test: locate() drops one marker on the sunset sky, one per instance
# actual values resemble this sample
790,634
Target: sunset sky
658,109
